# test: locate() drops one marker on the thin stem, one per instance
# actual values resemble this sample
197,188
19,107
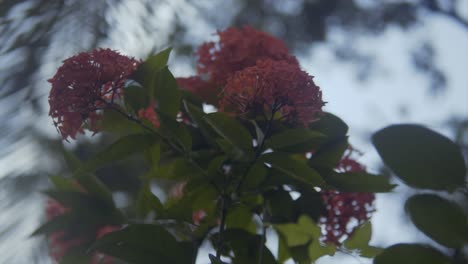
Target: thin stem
222,226
262,245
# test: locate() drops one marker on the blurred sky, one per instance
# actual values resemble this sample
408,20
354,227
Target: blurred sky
395,92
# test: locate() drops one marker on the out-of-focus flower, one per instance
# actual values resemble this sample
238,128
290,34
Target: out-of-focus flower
198,216
83,85
177,191
273,86
150,114
205,90
238,49
345,211
61,242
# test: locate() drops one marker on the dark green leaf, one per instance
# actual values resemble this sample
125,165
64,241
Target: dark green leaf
293,168
330,153
230,130
256,175
246,247
420,157
136,98
148,202
93,186
440,219
116,123
145,243
197,115
330,125
240,217
176,132
411,254
57,223
295,140
167,93
153,64
359,182
280,206
214,260
118,150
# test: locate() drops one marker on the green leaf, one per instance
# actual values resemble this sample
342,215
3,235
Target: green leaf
280,206
230,130
241,217
118,150
359,182
148,202
295,140
136,98
360,238
411,254
301,233
178,169
153,64
330,125
330,153
167,93
255,176
420,157
214,260
317,250
438,218
197,115
292,168
64,184
95,187
145,243
246,247
57,223
176,132
116,123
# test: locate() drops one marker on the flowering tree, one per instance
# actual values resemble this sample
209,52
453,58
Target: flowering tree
269,159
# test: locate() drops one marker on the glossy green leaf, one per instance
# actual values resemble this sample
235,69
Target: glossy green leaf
118,150
145,243
295,140
359,182
292,168
411,254
421,157
230,130
330,153
438,218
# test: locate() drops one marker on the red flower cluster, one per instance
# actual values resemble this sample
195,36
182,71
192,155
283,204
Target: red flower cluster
61,242
238,49
276,86
83,85
345,211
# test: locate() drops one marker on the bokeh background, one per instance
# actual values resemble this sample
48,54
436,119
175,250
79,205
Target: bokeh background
378,62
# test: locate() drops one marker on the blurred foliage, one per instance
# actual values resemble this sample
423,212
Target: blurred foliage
37,34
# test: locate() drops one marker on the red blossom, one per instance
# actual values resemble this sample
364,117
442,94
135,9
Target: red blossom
83,85
238,49
198,216
150,114
61,242
274,86
206,90
345,211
